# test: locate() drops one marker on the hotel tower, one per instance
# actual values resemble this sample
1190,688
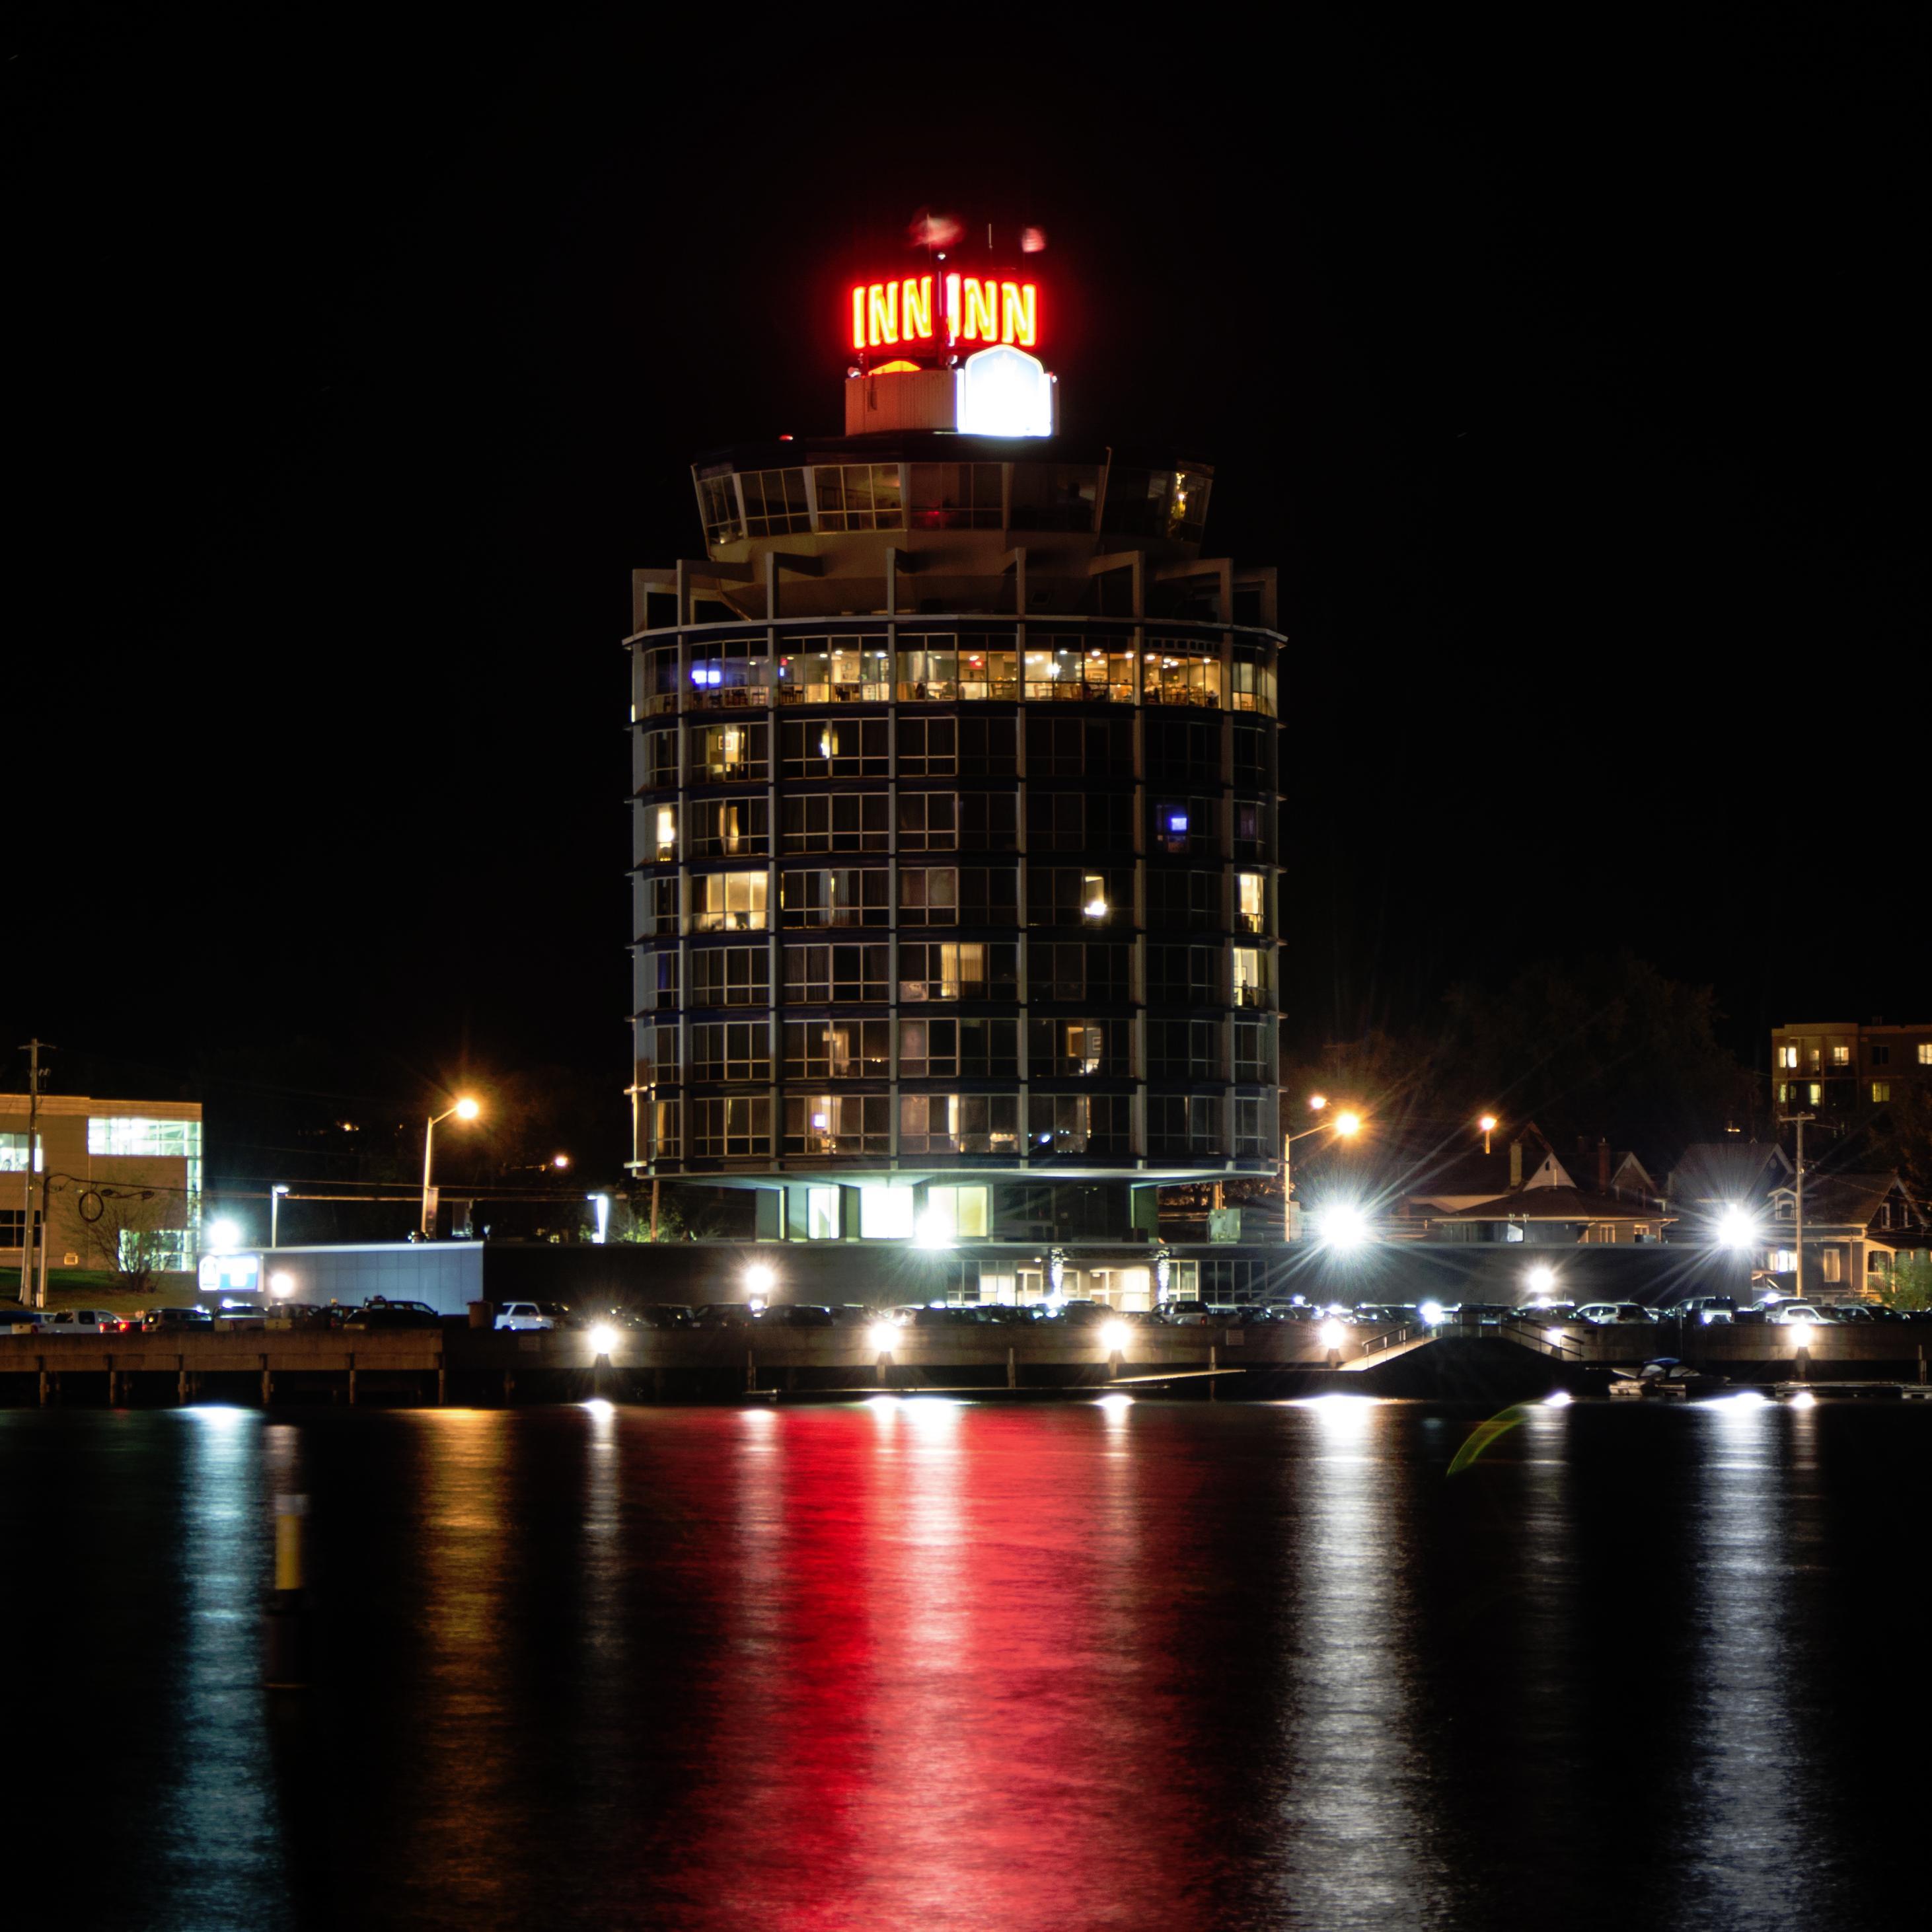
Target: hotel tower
954,770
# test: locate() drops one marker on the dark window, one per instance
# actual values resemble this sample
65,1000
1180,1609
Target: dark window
730,1050
833,748
955,496
843,896
832,975
847,821
1076,1048
958,1049
837,1049
986,747
1054,496
731,976
928,747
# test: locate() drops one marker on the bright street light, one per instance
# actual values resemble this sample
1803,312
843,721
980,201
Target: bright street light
224,1236
1542,1278
464,1109
759,1279
1333,1334
1342,1226
559,1161
603,1339
1115,1336
1345,1127
881,1335
1487,1125
1736,1228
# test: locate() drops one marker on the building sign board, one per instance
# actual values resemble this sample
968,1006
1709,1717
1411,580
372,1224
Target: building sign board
940,311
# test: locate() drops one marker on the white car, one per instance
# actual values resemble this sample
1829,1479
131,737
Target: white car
525,1315
80,1321
1796,1314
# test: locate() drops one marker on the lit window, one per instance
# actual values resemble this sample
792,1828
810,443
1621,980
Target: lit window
131,1134
822,1214
1832,1264
1252,891
1814,1093
1925,1053
666,832
13,1156
1881,1092
956,1214
885,1213
1250,977
1841,1056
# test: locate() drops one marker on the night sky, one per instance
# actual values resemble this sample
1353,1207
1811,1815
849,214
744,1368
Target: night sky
1574,385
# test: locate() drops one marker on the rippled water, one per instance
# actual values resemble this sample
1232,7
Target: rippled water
923,1664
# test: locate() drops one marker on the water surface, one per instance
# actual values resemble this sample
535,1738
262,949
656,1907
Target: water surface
923,1664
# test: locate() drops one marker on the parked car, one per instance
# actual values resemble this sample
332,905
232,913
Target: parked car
1708,1310
156,1320
1608,1314
522,1316
381,1314
657,1314
723,1315
1794,1313
82,1322
796,1315
1188,1314
938,1316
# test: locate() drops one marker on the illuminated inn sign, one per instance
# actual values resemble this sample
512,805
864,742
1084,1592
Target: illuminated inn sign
956,880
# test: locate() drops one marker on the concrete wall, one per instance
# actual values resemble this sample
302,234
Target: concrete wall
449,1274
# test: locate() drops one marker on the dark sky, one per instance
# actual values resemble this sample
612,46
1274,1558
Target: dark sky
1574,384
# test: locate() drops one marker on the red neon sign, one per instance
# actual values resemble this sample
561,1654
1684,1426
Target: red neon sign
969,308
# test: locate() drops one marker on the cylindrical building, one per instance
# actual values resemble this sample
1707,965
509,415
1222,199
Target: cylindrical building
955,783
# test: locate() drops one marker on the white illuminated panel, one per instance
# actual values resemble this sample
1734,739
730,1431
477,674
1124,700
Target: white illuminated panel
1005,391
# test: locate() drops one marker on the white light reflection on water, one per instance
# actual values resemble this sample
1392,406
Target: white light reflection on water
225,1843
1743,1851
1361,1854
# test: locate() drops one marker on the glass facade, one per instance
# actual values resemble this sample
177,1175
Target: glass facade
954,891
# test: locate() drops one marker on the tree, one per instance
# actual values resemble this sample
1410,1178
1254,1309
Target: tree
1908,1284
1607,1046
134,1232
1899,1136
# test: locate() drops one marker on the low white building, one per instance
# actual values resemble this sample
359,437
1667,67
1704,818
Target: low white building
118,1182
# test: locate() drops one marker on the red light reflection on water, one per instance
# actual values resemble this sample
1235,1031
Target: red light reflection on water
945,1700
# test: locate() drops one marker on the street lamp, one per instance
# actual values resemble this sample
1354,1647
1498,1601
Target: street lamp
275,1193
465,1109
1488,1125
1345,1126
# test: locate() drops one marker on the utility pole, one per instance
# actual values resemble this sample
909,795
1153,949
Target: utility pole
33,1050
1798,1121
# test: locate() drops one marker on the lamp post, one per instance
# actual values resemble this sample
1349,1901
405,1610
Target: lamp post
1345,1126
465,1109
275,1193
1487,1126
